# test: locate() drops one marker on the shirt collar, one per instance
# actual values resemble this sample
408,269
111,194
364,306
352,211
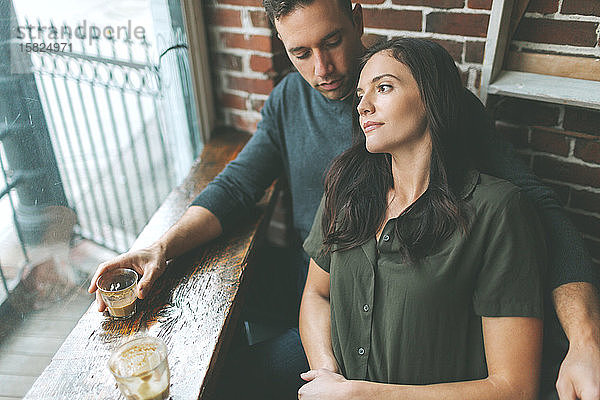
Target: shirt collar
469,181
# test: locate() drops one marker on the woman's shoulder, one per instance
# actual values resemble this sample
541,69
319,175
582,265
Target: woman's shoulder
494,194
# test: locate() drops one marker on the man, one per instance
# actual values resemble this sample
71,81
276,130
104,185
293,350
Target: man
306,122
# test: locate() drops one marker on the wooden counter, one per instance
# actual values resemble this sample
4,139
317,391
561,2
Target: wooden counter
191,306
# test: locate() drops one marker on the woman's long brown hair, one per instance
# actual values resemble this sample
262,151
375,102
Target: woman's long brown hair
357,182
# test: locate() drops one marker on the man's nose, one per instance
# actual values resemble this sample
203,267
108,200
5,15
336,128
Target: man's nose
323,65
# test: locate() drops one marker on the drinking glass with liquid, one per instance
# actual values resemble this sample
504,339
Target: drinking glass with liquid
118,288
141,369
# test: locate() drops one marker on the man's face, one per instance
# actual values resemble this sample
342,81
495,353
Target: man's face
323,43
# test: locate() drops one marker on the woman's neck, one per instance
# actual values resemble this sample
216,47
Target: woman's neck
410,170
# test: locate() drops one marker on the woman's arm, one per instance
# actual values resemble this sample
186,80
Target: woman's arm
513,349
315,320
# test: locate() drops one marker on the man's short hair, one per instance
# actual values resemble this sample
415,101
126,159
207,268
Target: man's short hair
280,8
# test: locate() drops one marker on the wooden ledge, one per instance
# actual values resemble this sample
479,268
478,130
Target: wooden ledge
190,307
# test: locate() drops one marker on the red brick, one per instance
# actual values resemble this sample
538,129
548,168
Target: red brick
527,112
474,51
543,6
251,42
582,7
432,3
584,200
588,150
586,224
261,64
458,23
224,17
557,170
594,248
549,142
453,47
574,33
582,120
516,134
393,19
245,123
233,101
249,3
370,39
227,61
260,19
257,105
258,86
480,4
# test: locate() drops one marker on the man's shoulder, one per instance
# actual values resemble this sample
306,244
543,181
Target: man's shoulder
291,85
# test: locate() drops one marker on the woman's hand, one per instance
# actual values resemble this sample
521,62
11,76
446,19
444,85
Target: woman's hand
324,384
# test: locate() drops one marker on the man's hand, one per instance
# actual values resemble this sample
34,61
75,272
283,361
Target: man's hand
324,385
578,308
149,263
579,375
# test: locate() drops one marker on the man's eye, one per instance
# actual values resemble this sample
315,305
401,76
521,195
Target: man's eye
303,56
334,43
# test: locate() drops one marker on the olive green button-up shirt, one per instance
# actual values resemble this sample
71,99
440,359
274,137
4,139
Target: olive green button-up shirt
420,323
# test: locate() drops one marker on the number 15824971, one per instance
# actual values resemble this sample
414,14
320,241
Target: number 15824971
41,47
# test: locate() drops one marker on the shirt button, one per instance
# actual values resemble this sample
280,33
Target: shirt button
386,238
361,351
366,308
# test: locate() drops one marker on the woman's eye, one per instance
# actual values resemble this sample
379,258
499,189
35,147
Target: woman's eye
384,88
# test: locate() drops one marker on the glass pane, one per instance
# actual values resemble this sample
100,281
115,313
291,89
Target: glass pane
97,126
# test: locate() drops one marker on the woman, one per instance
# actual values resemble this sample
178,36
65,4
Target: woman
424,281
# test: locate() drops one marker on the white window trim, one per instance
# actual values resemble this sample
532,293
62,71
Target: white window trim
199,65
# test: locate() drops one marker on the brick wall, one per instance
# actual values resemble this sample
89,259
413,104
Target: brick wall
562,144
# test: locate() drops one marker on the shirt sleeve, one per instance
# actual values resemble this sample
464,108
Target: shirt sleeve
509,283
313,245
244,180
568,258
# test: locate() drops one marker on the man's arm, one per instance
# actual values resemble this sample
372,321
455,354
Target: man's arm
195,227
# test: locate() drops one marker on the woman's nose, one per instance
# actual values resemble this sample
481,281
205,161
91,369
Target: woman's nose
365,106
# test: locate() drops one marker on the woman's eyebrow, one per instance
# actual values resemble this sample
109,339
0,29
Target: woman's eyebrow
379,77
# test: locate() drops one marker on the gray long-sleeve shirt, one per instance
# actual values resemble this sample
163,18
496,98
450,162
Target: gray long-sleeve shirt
301,131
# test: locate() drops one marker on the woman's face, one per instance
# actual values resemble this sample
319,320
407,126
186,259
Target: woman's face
392,114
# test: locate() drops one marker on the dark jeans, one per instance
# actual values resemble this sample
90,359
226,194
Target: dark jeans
267,370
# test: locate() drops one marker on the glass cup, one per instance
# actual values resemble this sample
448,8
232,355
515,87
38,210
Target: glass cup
118,288
141,369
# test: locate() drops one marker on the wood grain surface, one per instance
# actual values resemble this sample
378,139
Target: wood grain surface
190,306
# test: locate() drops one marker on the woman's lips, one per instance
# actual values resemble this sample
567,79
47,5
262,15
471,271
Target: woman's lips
333,85
371,126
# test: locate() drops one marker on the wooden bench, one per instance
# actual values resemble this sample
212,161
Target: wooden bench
192,306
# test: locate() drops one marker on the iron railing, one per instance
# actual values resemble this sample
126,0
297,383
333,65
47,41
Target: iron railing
101,101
